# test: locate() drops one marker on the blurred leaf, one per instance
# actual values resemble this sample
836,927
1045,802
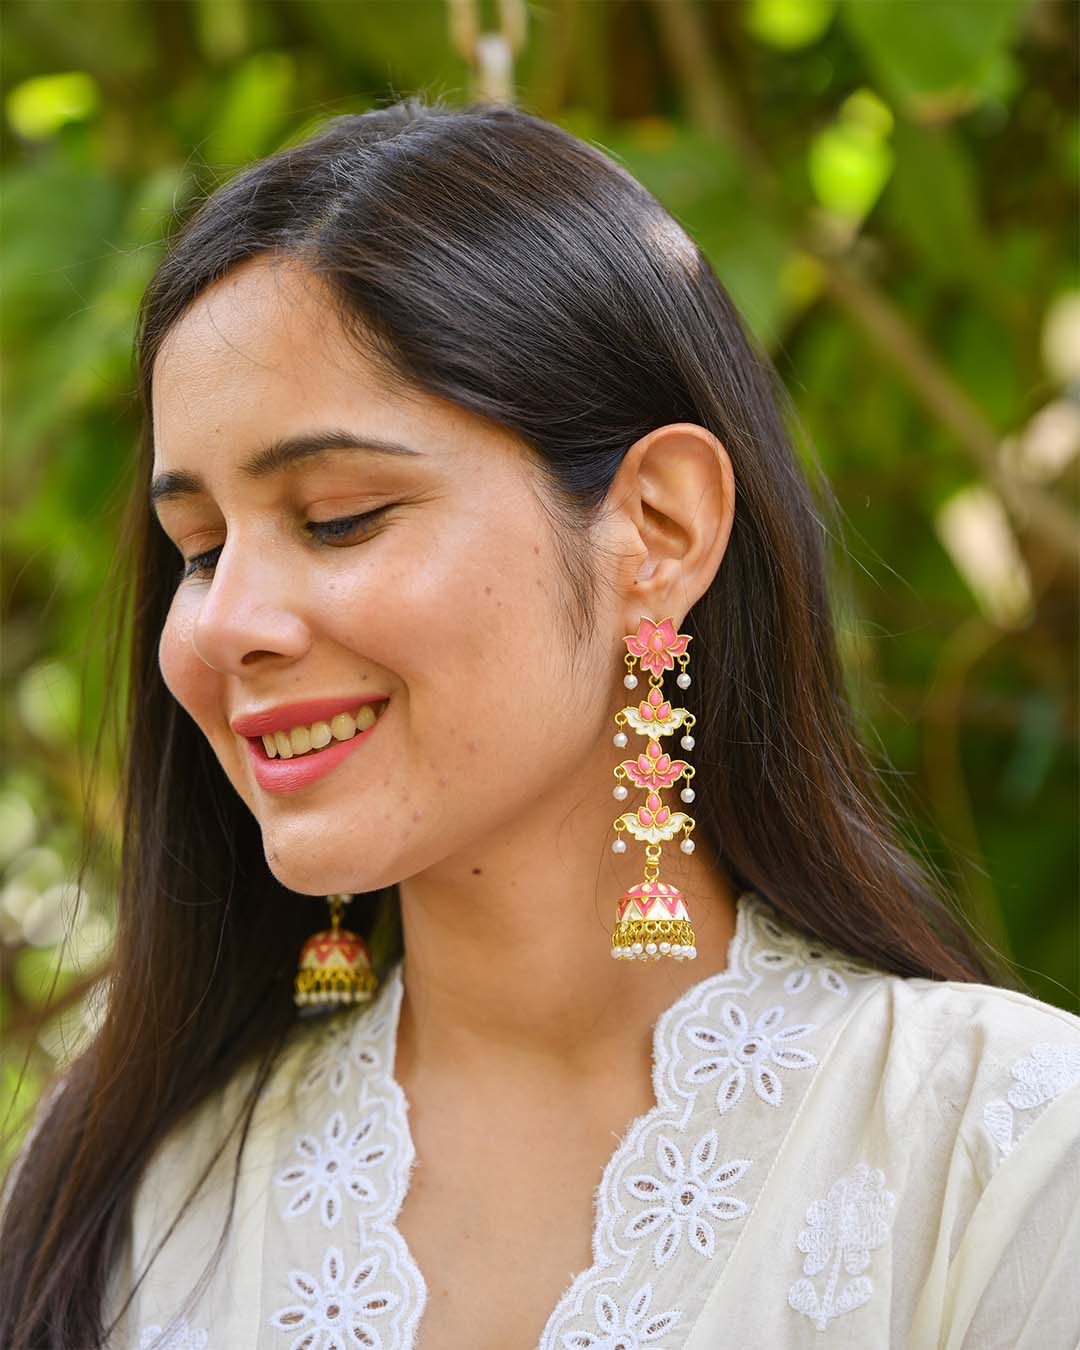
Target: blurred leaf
49,251
981,358
19,1092
47,697
931,201
789,24
402,47
848,170
17,824
35,970
223,27
254,108
38,107
936,57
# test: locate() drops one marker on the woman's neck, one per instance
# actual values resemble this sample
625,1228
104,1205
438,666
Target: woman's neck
508,956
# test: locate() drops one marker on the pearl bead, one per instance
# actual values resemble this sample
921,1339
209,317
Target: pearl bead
683,681
650,947
676,949
665,947
636,948
687,846
619,739
688,794
619,793
619,846
687,742
691,952
630,681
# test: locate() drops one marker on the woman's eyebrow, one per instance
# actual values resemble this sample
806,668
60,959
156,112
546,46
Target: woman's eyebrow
275,458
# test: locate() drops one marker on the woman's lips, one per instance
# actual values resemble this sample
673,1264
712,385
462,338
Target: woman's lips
286,775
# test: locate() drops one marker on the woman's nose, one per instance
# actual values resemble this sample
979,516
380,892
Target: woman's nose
250,605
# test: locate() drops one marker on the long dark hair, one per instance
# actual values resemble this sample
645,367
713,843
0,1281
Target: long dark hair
494,260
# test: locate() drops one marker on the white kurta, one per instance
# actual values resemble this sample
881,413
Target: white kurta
837,1156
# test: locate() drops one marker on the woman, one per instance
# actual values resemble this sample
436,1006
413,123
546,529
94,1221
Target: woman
455,450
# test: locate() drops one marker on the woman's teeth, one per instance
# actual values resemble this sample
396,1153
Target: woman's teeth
304,740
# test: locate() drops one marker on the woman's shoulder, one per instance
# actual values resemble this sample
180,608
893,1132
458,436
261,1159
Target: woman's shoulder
992,1075
948,1109
997,1058
928,1019
947,1058
1030,1048
992,1023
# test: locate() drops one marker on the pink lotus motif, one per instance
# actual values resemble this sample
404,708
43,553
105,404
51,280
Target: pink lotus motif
653,812
656,709
654,769
657,645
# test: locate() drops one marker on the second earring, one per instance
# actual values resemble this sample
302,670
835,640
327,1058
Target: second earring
651,918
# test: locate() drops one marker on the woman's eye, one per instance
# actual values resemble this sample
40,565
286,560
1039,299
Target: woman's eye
322,529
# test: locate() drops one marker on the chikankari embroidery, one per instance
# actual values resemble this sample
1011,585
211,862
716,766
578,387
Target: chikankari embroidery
342,1162
358,1172
343,1048
843,1229
806,961
339,1311
685,1198
1041,1075
619,1332
740,1050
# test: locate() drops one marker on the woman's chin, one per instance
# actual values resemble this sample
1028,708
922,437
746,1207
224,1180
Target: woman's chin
305,879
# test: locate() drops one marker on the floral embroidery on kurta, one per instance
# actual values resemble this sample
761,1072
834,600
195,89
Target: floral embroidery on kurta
341,1163
685,1198
1041,1076
624,1331
737,1050
338,1311
842,1230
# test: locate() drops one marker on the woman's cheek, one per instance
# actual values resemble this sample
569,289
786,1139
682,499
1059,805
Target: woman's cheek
177,660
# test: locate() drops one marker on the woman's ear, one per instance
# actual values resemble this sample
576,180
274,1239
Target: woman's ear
674,501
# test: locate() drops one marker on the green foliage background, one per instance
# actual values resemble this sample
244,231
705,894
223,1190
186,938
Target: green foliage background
886,187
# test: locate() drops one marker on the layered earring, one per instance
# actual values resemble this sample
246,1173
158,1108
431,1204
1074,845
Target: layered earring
652,920
335,965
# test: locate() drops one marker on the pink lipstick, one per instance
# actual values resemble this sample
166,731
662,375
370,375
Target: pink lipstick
286,775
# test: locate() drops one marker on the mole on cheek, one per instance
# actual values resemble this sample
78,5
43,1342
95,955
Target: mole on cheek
477,872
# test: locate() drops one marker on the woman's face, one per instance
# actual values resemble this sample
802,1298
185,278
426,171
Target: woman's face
449,605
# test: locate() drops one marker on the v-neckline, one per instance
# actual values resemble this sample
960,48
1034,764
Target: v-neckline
386,1022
